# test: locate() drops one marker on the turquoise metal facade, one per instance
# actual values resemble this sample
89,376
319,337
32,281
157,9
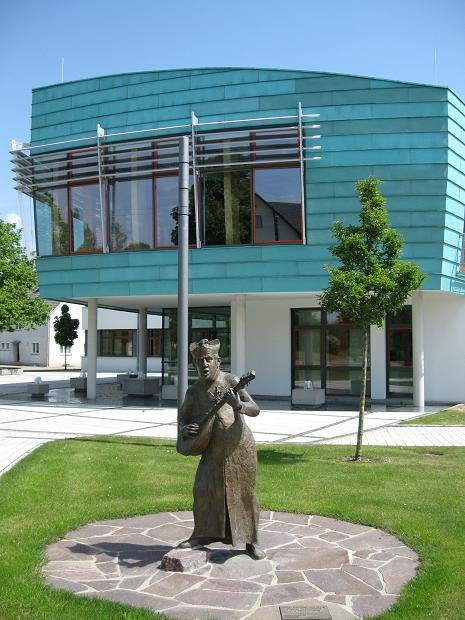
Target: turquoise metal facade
410,136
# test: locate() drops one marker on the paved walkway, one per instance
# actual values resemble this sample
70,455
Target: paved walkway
25,424
330,568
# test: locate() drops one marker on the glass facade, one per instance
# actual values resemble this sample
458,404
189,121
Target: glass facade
327,352
208,323
52,222
130,207
116,342
399,352
86,217
278,213
243,192
123,342
166,208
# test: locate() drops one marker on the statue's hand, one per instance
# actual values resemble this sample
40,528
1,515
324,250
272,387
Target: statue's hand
190,430
233,399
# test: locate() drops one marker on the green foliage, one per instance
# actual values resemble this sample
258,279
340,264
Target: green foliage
18,280
65,328
416,494
371,280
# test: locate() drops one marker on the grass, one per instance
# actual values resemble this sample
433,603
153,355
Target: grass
415,493
454,416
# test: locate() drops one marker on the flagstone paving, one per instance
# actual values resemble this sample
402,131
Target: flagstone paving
330,568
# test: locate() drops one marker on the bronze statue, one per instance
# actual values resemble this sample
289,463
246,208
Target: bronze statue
211,423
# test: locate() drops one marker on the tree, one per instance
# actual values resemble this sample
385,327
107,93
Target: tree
19,306
371,280
65,330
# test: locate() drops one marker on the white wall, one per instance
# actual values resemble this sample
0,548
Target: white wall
268,342
444,341
117,319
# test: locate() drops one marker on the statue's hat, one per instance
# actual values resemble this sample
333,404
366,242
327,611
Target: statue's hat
203,347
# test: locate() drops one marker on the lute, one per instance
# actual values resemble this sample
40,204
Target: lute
196,444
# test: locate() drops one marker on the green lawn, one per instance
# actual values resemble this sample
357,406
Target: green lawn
418,494
446,417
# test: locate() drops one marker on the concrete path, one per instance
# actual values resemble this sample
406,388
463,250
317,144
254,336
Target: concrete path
25,424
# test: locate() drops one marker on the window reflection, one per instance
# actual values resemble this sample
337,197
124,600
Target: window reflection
246,205
278,211
226,206
400,355
166,201
207,323
115,342
131,214
52,222
336,366
87,223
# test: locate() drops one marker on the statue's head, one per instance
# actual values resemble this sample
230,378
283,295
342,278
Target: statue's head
206,359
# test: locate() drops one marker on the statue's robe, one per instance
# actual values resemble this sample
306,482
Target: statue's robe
225,502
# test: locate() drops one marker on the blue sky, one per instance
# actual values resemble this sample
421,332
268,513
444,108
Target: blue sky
412,40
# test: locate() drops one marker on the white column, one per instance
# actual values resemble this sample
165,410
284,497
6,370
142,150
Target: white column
238,335
142,341
378,362
92,349
418,350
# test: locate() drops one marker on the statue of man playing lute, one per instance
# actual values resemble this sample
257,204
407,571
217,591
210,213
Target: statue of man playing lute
211,423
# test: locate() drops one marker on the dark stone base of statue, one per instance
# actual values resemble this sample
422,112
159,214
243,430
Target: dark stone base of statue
211,424
253,549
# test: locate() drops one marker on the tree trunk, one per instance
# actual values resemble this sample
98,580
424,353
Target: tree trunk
66,364
363,387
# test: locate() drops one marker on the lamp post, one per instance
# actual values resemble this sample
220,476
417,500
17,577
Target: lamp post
183,267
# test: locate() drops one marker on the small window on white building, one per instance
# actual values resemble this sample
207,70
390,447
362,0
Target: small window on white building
35,347
4,346
62,350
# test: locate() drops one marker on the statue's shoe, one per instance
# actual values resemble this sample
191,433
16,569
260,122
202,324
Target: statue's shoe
189,543
196,542
255,551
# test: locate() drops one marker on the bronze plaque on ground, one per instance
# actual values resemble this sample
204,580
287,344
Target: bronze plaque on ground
319,612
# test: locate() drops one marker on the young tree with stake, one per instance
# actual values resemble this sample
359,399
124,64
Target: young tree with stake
65,330
371,280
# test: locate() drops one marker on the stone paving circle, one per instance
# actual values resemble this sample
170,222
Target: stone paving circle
315,567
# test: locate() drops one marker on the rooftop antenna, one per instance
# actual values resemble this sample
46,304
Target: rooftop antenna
62,69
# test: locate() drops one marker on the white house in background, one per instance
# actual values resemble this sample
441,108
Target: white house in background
37,347
117,341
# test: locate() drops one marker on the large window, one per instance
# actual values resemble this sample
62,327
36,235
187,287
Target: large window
154,340
307,348
166,208
51,209
251,206
116,342
344,356
399,351
326,352
130,205
87,221
208,323
226,207
278,211
247,190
